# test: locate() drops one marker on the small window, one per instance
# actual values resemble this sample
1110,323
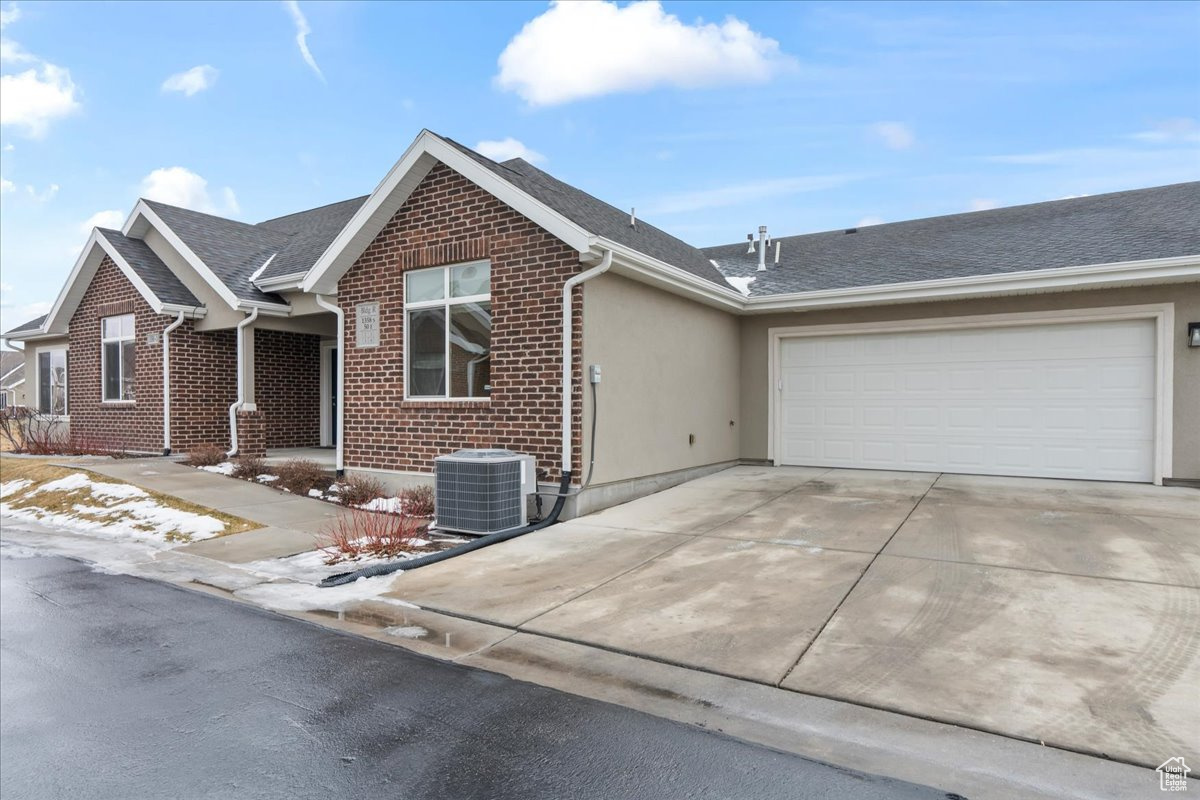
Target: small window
448,331
118,350
52,381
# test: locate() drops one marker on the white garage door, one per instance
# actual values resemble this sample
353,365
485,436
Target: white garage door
1066,400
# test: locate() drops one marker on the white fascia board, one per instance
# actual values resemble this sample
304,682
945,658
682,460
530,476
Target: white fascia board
144,211
59,302
281,282
1158,270
639,266
384,201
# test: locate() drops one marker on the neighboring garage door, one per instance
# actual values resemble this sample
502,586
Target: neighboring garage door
1064,400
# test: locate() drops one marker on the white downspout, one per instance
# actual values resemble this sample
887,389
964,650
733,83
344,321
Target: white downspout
339,428
571,283
241,381
166,359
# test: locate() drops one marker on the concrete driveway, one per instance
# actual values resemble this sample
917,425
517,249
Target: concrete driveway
1059,611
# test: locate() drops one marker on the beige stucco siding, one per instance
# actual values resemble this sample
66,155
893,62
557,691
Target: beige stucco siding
755,352
670,370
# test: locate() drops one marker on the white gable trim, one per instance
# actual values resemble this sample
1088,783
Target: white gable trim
385,201
142,211
81,277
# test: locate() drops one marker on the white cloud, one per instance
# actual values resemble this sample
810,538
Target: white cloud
868,221
191,81
179,186
8,148
724,196
43,196
24,312
302,32
982,204
102,219
9,15
34,98
504,149
894,135
629,48
7,186
1179,129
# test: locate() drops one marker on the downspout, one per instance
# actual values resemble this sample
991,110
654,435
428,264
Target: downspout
567,315
341,379
166,361
564,484
241,381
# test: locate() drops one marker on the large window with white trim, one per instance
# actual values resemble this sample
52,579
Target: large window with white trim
52,381
118,347
448,332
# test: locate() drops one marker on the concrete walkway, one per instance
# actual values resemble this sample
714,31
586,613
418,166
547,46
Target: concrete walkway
1057,611
290,523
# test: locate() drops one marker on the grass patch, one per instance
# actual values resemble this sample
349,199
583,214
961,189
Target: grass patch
104,501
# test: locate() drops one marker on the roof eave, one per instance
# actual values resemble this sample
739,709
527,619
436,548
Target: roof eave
427,149
1091,276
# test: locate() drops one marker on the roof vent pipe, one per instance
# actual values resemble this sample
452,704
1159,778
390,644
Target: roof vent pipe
633,217
763,243
750,240
777,246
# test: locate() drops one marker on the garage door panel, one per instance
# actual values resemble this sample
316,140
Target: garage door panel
1070,400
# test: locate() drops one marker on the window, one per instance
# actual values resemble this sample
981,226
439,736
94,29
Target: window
448,334
52,381
117,356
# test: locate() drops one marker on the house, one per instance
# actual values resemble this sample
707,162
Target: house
464,303
12,379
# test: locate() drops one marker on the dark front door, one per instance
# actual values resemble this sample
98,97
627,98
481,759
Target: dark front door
333,395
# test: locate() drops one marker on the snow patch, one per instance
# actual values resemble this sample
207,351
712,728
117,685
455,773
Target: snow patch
266,478
308,597
224,468
388,505
9,487
317,493
741,284
407,631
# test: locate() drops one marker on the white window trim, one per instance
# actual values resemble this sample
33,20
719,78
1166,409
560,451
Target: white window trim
445,302
1163,315
37,380
120,401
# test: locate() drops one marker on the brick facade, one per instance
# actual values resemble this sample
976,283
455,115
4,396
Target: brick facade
135,425
252,433
448,220
287,377
287,387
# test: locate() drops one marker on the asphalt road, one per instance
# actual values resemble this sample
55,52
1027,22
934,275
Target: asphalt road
117,687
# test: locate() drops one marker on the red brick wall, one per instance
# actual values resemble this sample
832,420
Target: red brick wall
252,434
448,220
203,376
287,387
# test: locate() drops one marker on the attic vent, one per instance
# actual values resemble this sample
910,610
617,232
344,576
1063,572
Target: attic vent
851,230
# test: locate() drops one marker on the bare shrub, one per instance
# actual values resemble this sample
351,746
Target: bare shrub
299,475
249,467
358,490
362,533
206,455
418,501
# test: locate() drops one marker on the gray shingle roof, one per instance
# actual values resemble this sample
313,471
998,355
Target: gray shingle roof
598,217
1108,228
153,272
311,233
32,325
12,371
232,250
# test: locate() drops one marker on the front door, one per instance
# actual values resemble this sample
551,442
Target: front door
332,416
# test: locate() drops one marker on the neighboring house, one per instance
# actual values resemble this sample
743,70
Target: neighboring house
1042,340
12,379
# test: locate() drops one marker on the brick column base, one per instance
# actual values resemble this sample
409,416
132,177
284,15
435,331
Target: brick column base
252,433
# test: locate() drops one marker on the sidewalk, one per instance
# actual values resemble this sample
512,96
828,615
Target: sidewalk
290,523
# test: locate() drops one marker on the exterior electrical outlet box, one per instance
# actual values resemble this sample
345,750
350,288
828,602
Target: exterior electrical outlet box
483,491
594,373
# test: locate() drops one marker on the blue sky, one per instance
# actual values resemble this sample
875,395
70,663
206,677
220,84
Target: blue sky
710,118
